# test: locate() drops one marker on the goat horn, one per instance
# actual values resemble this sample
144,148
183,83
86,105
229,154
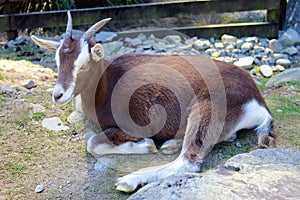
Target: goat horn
69,25
96,27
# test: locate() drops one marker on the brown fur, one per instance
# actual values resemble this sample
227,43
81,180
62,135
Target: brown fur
239,88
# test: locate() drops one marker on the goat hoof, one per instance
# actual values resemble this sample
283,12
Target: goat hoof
170,147
123,187
149,144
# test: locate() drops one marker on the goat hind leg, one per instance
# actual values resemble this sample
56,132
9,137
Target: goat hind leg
115,141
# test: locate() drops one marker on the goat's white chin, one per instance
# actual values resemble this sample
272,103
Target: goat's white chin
63,100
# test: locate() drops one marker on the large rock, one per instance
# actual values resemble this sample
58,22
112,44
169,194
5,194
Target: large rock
228,39
286,76
261,174
245,63
290,38
275,45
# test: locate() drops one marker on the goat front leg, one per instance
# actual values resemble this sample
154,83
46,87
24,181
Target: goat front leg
115,141
196,144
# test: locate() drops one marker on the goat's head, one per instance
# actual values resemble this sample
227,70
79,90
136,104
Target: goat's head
73,59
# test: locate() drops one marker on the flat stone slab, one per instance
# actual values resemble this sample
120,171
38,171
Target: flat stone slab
286,76
260,174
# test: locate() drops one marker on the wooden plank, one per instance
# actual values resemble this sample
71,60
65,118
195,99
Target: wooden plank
132,12
261,29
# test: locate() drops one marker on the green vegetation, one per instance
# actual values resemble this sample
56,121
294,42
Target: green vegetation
15,170
38,115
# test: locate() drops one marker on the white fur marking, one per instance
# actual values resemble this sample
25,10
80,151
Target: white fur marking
131,181
255,116
143,147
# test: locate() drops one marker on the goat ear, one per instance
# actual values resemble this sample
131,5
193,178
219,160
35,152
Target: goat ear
47,44
97,52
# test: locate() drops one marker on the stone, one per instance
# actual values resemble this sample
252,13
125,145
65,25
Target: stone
260,174
266,70
216,54
142,37
7,89
252,39
290,51
133,42
39,188
258,49
76,33
289,38
102,164
275,45
283,62
264,42
37,108
75,116
230,47
286,76
112,47
247,46
279,56
228,39
245,63
173,39
29,84
160,46
54,124
201,44
239,43
280,68
219,45
105,36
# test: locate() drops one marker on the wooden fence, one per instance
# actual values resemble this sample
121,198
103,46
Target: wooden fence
10,22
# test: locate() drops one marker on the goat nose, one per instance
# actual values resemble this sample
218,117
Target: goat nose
58,92
57,95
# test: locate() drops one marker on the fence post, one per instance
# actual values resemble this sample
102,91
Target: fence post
9,9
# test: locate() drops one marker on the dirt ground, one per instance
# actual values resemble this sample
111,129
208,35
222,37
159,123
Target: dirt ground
32,155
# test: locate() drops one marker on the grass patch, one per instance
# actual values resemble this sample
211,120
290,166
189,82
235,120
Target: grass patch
1,101
16,170
38,115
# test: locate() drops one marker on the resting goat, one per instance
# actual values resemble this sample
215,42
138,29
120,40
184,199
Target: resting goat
138,99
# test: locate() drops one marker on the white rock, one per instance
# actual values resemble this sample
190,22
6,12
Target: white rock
54,124
275,45
201,44
173,39
75,116
39,188
280,68
7,88
283,62
239,43
279,56
246,47
258,49
135,42
266,70
219,45
290,51
252,39
289,38
245,63
230,47
228,39
37,108
105,36
142,37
